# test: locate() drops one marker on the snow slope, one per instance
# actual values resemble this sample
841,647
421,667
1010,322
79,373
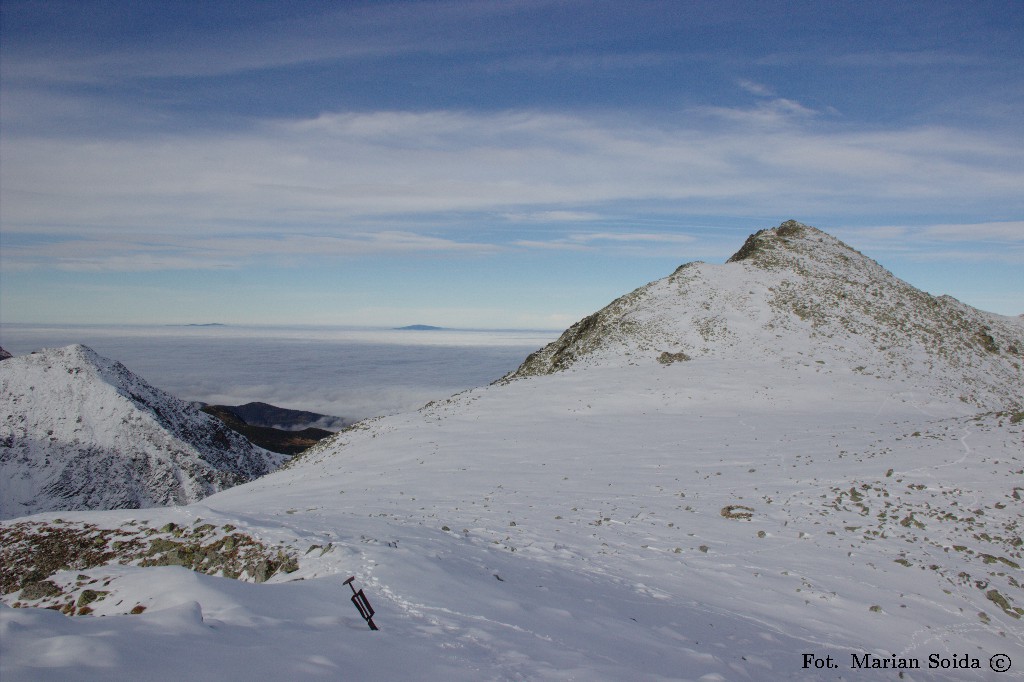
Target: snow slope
717,518
79,431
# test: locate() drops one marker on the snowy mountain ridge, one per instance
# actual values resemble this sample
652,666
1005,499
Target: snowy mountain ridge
794,292
701,483
79,431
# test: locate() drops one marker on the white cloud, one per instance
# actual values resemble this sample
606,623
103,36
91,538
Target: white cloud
350,30
147,253
999,242
553,217
1009,232
755,88
341,183
968,255
1012,231
634,237
552,245
634,243
770,111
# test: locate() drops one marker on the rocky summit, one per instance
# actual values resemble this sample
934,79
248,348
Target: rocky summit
794,292
79,431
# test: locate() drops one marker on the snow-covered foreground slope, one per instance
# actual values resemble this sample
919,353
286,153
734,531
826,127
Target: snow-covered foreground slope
80,431
556,529
721,518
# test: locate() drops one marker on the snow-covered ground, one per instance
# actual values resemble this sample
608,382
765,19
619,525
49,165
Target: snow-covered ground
773,507
571,527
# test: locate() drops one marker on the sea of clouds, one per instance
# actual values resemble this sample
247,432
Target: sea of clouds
350,373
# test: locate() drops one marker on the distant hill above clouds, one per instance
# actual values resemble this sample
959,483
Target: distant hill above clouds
80,431
794,292
272,416
276,428
4,354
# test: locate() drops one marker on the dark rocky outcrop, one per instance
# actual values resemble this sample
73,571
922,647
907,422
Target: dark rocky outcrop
267,437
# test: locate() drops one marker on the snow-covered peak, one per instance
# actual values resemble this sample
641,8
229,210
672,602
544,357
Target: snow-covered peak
83,364
795,293
81,431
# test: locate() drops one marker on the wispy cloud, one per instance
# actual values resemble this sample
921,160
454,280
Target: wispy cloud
148,253
634,237
581,61
564,216
991,242
898,58
767,113
370,182
755,88
635,243
252,38
1009,232
977,256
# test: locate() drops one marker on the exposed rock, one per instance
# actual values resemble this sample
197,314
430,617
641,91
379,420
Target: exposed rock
667,358
89,596
32,552
40,590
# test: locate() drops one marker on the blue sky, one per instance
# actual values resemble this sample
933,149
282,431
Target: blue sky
490,164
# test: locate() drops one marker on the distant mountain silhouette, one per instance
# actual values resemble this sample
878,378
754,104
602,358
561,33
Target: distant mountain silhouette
264,414
286,442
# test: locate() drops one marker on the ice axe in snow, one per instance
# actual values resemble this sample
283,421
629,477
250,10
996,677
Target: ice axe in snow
362,603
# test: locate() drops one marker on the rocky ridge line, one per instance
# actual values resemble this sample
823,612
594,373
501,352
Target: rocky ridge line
795,290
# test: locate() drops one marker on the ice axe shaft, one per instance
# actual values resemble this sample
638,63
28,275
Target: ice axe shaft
362,603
